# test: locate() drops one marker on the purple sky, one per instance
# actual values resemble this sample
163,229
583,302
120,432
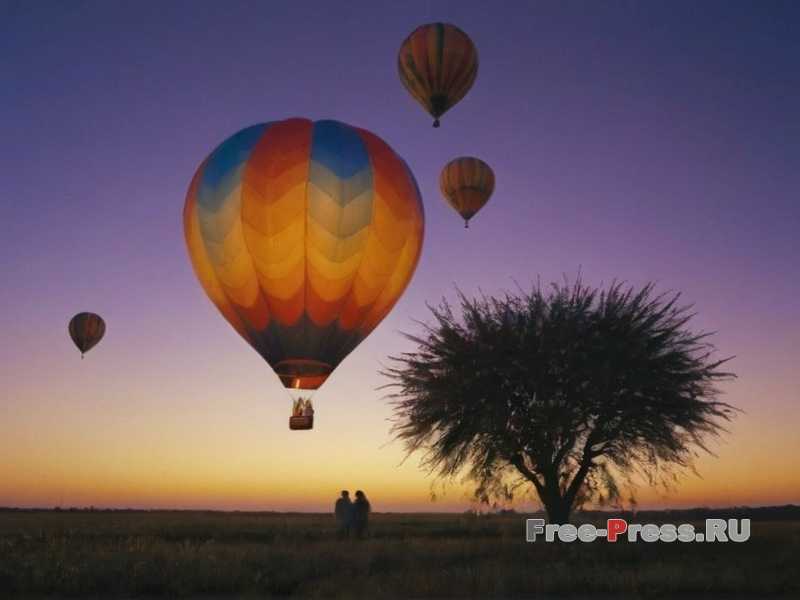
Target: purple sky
632,140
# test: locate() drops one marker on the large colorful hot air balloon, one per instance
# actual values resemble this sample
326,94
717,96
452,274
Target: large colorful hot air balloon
86,330
466,183
304,235
438,64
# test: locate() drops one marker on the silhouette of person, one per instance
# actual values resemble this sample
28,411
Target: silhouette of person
344,514
308,409
361,509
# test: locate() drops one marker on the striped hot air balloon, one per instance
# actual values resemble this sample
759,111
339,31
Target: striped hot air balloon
466,183
438,64
304,235
86,329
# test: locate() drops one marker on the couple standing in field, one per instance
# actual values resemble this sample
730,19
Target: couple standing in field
352,515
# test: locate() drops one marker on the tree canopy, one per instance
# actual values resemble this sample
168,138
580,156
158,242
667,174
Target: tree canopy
572,389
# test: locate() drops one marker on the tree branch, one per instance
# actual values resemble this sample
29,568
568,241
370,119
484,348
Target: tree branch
519,462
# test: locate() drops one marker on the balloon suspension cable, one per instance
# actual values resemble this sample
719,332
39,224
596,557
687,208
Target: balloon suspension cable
466,224
81,355
436,123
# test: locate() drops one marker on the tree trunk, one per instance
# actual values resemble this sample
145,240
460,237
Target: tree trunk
558,508
558,511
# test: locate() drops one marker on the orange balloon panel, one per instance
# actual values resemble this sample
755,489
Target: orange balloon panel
304,235
467,184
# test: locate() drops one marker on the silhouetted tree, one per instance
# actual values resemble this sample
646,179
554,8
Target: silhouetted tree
572,389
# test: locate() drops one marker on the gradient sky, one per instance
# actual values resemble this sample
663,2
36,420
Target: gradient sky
632,140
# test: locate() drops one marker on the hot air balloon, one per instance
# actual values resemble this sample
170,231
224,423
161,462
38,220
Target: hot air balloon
86,330
438,64
304,235
466,183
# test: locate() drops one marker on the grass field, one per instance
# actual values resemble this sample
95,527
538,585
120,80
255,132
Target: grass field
126,554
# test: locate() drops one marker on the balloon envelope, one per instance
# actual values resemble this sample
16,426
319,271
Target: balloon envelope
86,329
438,64
304,235
467,184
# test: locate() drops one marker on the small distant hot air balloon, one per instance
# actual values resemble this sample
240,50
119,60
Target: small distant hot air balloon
304,235
86,330
466,183
438,64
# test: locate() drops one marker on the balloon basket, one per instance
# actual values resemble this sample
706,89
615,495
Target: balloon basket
300,423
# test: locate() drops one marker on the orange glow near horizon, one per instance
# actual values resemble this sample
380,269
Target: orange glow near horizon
217,443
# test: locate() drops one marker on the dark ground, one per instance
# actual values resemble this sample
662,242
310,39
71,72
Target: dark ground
188,554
